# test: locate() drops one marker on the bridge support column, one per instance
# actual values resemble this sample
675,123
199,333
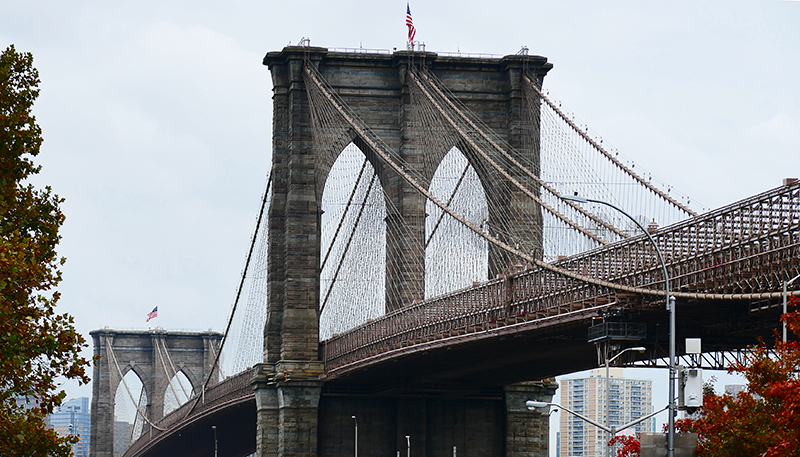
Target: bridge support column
266,411
527,432
287,406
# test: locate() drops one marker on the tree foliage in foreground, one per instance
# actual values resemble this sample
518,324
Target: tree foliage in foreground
37,345
629,446
764,420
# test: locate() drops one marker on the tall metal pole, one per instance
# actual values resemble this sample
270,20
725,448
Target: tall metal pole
670,307
408,442
356,443
785,295
608,406
672,372
214,427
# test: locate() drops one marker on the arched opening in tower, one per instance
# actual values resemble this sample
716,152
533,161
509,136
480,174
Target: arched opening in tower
455,257
353,244
128,423
178,392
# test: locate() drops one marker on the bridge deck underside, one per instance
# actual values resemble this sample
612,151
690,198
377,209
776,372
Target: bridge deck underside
236,431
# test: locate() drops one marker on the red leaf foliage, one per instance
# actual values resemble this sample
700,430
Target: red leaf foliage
763,421
630,446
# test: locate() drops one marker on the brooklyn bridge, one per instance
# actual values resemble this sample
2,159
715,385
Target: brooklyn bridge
417,270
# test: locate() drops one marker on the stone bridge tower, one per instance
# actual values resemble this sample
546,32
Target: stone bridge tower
119,351
288,388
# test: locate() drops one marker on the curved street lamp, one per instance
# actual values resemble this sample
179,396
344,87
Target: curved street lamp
670,307
533,405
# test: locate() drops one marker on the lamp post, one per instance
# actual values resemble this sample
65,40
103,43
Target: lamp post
533,404
356,439
608,394
670,307
785,286
214,427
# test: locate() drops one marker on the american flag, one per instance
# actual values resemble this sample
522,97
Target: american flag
410,23
152,314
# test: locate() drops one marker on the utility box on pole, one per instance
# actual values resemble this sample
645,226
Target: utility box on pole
690,388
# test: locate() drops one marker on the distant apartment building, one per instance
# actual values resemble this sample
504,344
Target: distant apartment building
73,418
629,399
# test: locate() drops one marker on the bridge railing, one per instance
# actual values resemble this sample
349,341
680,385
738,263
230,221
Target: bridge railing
742,248
730,250
233,389
527,296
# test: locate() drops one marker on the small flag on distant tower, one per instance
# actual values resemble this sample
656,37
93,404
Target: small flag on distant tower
410,23
152,314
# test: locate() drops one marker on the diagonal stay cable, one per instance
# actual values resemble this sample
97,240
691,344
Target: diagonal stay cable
172,366
381,149
449,201
113,358
166,372
507,176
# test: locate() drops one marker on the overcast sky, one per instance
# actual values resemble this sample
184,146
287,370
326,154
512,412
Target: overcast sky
157,116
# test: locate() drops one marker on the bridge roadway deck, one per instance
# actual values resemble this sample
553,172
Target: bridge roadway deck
532,323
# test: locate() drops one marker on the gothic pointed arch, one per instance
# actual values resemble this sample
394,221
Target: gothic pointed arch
353,253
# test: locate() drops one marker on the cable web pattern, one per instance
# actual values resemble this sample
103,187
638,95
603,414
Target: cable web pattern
575,162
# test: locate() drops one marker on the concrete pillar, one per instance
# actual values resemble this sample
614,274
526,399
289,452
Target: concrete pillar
266,410
158,383
527,432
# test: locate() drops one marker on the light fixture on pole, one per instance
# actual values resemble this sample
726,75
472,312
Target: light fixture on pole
670,307
612,431
532,405
785,294
356,439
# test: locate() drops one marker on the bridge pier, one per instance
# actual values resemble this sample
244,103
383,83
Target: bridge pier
287,406
527,432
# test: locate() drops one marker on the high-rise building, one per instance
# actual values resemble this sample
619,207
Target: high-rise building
73,418
629,399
